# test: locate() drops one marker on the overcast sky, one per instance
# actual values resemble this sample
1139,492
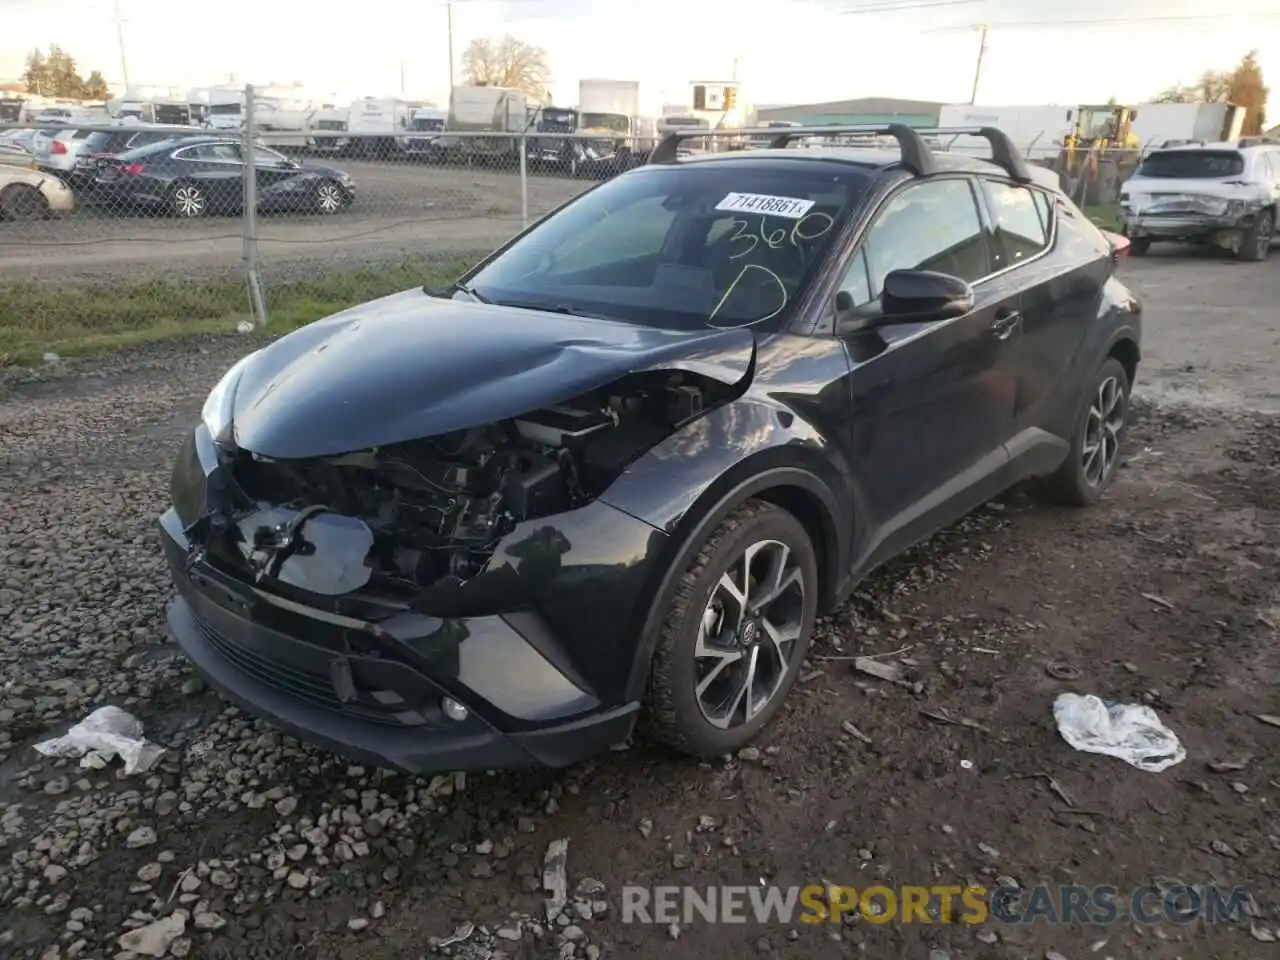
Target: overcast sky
1038,51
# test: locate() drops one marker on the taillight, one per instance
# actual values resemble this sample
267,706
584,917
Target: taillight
59,147
132,169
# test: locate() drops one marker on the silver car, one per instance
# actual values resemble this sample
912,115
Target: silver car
73,155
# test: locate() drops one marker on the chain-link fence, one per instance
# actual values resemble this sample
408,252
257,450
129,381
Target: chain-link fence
328,195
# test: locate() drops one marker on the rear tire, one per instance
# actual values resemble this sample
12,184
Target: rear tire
1256,244
1140,246
188,201
21,201
330,198
716,682
1096,441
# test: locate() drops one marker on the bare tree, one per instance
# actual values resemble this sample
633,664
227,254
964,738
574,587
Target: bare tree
1242,86
1247,89
1212,87
507,63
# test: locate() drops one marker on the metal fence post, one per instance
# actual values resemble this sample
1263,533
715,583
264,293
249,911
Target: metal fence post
249,215
523,146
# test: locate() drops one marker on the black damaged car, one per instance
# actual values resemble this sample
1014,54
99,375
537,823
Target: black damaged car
613,474
201,176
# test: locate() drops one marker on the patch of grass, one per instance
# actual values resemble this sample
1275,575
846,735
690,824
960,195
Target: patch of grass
1105,215
84,319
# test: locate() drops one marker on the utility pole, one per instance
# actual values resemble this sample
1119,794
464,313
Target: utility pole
977,70
402,77
449,14
124,61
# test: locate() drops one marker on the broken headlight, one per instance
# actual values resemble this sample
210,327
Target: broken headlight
216,412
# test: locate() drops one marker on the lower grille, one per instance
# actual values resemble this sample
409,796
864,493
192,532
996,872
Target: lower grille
383,707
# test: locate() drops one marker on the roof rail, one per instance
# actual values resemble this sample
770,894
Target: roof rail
1258,141
1003,151
916,155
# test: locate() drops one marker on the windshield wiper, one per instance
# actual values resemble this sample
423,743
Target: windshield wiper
444,293
549,308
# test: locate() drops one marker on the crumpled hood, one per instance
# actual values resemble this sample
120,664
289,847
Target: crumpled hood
411,365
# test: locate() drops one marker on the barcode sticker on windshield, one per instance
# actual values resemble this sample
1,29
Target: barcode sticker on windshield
789,207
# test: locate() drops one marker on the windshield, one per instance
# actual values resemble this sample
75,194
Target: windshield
606,121
428,124
679,248
168,114
1193,164
557,121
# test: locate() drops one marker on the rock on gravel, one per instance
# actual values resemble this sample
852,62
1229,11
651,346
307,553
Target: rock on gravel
154,939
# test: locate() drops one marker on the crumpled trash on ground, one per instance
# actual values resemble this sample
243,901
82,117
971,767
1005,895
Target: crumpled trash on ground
1129,731
106,733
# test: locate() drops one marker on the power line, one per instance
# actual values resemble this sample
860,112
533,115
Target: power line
894,6
1110,21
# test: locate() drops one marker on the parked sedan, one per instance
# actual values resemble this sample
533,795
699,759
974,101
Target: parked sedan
199,176
615,471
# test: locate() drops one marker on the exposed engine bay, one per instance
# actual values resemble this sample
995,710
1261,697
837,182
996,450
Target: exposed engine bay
398,519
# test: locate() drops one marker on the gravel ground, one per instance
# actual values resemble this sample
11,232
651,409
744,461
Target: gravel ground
244,843
399,209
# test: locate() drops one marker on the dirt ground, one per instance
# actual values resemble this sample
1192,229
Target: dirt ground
1165,594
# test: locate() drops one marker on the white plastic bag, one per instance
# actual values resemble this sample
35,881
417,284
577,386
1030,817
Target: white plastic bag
1131,732
106,733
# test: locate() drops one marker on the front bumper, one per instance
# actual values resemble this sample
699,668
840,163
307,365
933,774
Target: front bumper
374,692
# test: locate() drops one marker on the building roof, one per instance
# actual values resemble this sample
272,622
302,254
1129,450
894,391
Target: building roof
864,105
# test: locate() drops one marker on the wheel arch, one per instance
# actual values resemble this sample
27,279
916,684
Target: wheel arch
791,488
1125,349
16,188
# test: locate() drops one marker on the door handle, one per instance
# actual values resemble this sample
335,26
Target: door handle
1005,322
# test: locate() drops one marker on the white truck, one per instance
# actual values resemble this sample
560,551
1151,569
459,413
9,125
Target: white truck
475,109
1038,130
1155,124
611,108
327,130
226,108
426,124
377,125
282,121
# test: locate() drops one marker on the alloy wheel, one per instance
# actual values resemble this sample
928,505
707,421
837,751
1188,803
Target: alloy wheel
747,634
1102,427
329,198
188,201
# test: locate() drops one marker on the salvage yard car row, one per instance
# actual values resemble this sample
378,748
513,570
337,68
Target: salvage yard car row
190,176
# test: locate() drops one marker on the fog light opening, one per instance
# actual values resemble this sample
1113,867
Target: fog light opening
453,709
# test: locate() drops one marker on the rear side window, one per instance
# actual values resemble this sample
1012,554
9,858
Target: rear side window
1193,164
1023,228
217,152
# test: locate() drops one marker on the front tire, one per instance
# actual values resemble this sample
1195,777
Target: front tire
1256,244
1140,246
1097,440
736,633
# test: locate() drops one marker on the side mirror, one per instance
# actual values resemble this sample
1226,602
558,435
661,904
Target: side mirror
924,296
909,296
